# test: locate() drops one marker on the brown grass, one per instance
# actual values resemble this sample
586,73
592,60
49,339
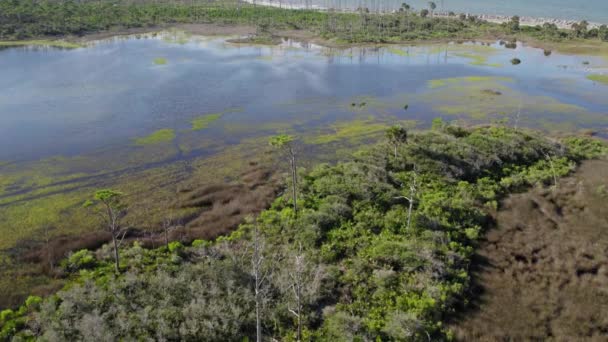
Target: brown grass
542,274
218,209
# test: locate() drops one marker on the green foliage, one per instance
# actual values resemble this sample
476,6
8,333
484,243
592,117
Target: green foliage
83,259
281,140
585,147
6,315
372,276
33,302
175,247
24,19
437,124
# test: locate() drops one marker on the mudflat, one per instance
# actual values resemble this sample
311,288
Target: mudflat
542,273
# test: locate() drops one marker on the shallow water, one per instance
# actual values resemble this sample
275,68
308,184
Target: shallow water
72,102
146,114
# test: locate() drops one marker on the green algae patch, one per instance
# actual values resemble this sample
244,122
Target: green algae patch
204,121
477,60
160,136
50,43
160,61
398,52
442,82
266,58
482,98
598,78
352,131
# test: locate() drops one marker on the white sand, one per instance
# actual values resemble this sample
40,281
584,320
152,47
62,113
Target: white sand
499,19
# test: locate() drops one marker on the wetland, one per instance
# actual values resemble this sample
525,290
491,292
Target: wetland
158,113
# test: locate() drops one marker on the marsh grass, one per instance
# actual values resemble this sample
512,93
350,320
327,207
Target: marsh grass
49,43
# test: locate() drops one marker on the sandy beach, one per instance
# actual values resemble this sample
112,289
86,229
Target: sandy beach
499,19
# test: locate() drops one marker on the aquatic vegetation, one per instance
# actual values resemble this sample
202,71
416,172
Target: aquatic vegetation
478,98
204,121
160,136
598,78
50,43
433,84
160,61
477,59
265,58
352,131
398,52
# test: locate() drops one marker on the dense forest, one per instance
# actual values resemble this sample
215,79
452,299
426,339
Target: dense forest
377,247
26,19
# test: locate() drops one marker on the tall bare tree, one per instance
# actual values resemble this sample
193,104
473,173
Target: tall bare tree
108,205
412,180
260,272
285,143
302,285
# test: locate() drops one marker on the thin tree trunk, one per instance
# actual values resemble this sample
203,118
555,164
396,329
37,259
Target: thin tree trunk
258,322
299,337
409,210
167,238
294,181
116,257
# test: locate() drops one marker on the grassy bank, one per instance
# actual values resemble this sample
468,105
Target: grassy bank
380,247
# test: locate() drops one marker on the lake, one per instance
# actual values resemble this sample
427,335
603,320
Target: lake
83,118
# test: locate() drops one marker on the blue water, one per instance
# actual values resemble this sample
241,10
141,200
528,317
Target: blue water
590,10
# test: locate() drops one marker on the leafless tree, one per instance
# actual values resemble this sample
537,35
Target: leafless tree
260,272
112,211
285,143
413,187
302,284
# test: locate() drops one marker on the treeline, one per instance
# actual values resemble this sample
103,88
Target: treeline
23,19
375,248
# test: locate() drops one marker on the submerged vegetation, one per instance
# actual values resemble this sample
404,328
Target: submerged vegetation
160,61
599,78
380,249
50,43
204,121
160,136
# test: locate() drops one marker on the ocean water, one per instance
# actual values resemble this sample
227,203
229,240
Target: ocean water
590,10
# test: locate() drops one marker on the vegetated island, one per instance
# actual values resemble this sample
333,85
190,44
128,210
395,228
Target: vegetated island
24,20
377,247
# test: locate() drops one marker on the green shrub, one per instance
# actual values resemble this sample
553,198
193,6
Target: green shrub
585,147
176,247
33,302
83,259
6,315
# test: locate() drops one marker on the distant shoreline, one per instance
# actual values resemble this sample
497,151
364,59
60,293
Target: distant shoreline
497,19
